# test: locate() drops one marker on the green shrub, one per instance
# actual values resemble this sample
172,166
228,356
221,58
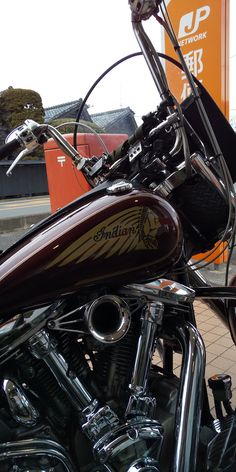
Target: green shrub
17,105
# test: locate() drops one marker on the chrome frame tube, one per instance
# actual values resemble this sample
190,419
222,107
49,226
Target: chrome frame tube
178,142
42,347
152,317
35,447
189,403
18,329
71,385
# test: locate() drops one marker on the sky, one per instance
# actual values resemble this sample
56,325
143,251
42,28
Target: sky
60,48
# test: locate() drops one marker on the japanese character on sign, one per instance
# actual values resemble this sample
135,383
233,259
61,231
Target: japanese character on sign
194,63
186,91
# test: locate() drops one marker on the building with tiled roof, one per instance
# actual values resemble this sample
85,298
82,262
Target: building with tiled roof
116,121
66,110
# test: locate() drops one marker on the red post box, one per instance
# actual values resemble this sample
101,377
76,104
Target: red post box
65,182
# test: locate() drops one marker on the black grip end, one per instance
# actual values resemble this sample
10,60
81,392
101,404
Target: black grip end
7,149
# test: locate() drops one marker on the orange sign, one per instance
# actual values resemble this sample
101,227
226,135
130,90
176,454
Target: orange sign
202,29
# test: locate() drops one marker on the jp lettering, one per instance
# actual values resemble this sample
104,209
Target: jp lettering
190,22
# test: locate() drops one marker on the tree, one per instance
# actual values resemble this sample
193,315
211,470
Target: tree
17,105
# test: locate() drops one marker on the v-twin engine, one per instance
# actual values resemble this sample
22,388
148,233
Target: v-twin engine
91,363
133,443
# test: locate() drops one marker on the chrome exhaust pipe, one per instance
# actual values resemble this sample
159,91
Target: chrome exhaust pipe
32,451
108,318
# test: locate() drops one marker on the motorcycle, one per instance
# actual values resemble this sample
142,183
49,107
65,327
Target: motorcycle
95,293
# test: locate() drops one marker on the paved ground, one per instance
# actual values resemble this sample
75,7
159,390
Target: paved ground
220,349
12,208
18,215
216,276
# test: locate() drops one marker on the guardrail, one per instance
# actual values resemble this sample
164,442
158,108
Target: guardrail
29,178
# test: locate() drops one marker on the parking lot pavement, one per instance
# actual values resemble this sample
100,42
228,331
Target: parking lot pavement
220,349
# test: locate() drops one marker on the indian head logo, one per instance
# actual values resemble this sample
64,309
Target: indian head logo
134,229
189,23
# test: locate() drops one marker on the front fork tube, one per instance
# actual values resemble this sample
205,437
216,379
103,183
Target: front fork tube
139,403
189,402
152,317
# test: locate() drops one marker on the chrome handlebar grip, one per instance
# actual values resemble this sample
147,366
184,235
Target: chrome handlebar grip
31,135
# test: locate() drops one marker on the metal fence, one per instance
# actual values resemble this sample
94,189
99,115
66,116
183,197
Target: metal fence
29,178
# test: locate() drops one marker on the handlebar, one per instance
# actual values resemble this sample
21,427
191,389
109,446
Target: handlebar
30,135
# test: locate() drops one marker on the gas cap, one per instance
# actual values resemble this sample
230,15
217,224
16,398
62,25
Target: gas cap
119,186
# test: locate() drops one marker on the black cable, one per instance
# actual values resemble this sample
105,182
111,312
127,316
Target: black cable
125,58
93,87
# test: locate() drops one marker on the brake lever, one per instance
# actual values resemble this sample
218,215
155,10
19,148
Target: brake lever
22,154
30,135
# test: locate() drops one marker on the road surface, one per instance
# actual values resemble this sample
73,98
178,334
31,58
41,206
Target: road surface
18,215
24,206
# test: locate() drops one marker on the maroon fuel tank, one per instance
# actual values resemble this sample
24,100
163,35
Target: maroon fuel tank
98,239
